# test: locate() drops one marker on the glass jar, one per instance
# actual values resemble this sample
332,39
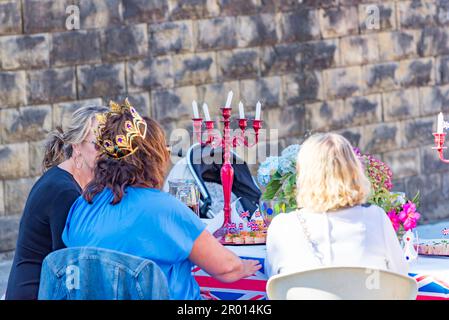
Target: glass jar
187,192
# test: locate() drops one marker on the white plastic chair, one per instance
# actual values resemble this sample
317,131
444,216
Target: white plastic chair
342,283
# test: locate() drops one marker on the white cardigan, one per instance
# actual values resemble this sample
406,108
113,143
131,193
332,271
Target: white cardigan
357,236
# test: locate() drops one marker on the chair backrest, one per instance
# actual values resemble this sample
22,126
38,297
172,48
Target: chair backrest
342,283
85,273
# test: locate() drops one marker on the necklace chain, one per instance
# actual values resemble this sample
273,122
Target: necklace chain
313,244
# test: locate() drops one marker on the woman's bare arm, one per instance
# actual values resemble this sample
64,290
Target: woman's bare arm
218,261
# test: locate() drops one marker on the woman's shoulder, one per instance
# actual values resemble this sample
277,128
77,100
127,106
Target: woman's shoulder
370,213
154,197
283,219
57,179
56,185
362,208
372,209
149,194
162,206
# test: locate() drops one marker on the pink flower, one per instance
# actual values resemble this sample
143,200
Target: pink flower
409,224
394,219
409,216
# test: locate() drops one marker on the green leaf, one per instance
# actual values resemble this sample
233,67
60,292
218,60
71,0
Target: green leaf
289,188
292,179
416,199
276,176
271,189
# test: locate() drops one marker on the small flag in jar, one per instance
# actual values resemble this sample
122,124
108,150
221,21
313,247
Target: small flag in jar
245,214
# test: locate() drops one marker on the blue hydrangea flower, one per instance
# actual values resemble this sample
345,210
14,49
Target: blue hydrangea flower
286,165
291,152
263,179
401,198
267,169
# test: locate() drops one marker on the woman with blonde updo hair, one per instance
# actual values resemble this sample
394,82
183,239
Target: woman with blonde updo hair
333,225
68,166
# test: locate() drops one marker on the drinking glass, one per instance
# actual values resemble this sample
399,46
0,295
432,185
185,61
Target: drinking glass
187,192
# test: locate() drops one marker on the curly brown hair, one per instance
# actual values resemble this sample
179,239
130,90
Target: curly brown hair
147,167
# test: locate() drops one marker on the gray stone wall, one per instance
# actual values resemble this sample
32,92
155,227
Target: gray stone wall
316,65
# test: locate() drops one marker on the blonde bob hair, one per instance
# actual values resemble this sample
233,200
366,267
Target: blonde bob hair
330,175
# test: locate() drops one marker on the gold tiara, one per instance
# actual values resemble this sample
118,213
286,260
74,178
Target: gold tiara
122,146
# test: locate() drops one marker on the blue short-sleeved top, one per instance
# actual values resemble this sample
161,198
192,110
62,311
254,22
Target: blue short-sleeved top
147,223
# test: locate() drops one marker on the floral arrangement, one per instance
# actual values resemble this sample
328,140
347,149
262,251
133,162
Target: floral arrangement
278,176
401,210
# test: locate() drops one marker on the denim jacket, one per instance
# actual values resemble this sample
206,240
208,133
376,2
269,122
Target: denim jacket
83,273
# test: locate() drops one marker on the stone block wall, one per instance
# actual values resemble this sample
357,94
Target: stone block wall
317,65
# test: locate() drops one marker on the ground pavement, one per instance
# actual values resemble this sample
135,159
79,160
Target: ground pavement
5,267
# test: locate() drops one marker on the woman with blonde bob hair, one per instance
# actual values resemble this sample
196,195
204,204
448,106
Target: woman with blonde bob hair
333,174
333,225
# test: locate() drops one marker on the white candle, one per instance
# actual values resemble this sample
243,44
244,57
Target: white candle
241,110
440,123
206,111
229,100
258,108
196,114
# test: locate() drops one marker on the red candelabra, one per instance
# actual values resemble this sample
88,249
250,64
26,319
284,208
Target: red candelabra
440,138
439,142
226,142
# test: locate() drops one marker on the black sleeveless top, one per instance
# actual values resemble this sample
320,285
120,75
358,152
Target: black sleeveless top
40,231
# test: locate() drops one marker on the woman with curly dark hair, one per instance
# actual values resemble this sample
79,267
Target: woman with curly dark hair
123,208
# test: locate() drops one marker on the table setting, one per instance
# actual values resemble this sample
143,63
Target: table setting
431,272
244,231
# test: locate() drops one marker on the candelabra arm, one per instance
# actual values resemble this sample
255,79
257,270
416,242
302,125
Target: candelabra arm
442,158
250,145
212,139
441,155
241,139
197,133
439,142
215,140
257,125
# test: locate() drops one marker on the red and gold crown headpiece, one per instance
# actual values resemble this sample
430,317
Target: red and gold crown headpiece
122,145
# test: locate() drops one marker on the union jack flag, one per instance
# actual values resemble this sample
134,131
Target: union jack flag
445,231
244,214
232,225
430,288
257,214
240,226
253,226
251,288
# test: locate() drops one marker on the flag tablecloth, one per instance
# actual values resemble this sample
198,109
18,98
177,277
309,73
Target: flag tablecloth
431,274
